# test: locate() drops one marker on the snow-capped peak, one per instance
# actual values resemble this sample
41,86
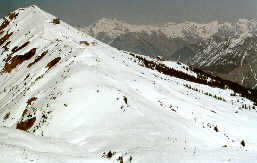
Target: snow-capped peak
114,28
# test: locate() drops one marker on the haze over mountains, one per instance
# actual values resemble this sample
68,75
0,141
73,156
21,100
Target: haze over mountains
67,97
225,49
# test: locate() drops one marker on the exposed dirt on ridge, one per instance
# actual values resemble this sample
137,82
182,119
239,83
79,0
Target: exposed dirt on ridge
31,100
26,125
5,46
17,60
53,62
38,58
16,48
84,43
4,24
24,113
12,15
5,37
7,116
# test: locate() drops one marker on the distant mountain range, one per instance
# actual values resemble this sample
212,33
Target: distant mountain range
228,50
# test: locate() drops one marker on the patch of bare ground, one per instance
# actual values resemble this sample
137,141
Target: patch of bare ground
12,15
38,58
84,43
29,102
243,143
5,37
24,113
56,21
4,24
5,46
7,116
53,62
26,77
17,60
40,77
16,48
26,125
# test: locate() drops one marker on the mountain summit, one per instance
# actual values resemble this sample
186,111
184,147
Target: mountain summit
67,97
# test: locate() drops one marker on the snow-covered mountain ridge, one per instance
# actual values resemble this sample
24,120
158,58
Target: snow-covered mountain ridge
80,100
114,28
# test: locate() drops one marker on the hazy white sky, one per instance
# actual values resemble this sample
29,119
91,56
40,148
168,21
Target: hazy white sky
141,11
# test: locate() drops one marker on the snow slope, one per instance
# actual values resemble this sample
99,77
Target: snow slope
78,98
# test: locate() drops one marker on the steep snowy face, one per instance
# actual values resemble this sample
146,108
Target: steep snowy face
39,54
93,103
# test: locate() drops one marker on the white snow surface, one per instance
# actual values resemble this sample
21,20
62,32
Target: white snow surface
97,99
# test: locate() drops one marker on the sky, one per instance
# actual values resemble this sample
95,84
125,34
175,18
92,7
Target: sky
85,12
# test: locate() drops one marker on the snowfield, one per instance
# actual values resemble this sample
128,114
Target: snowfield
79,100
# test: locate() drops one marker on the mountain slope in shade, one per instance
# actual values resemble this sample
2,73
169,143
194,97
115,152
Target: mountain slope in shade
224,49
233,59
79,100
